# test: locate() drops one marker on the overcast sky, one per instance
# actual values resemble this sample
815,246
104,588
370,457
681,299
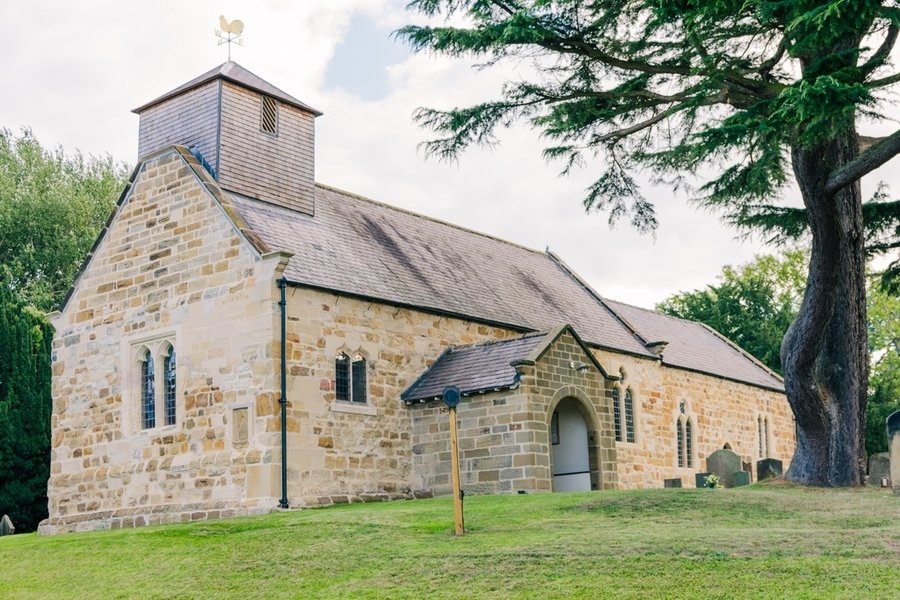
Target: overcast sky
72,71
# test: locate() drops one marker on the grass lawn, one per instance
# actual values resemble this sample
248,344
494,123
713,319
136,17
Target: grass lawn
761,541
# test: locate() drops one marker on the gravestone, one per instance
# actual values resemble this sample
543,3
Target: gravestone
6,526
700,479
768,468
672,483
893,431
739,478
880,469
748,466
723,463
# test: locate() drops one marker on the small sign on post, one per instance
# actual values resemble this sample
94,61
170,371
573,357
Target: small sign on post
451,398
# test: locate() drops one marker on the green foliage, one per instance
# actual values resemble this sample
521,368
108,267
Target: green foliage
25,407
884,378
684,87
52,207
752,305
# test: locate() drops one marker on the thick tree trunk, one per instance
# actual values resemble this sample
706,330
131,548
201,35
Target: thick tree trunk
825,351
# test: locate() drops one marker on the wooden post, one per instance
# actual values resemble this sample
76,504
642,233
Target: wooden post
454,475
452,396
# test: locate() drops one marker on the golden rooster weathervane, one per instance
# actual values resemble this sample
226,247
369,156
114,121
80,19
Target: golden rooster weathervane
230,33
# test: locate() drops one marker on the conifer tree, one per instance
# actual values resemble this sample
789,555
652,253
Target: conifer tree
25,407
757,92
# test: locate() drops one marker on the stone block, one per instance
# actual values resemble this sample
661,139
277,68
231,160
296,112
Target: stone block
768,468
723,463
880,469
263,481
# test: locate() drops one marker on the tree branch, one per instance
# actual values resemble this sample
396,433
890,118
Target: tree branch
626,131
884,51
766,67
884,81
865,163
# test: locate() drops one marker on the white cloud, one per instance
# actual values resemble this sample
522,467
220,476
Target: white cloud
72,71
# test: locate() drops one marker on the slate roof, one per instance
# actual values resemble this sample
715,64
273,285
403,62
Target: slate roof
231,71
695,346
364,248
478,368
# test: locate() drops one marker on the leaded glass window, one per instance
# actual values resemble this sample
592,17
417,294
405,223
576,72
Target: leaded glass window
148,393
617,414
689,444
679,440
629,416
342,377
358,391
169,386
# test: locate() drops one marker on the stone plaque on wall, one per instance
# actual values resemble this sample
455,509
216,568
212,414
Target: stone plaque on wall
241,425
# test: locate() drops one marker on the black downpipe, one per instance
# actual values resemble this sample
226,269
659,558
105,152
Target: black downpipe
282,285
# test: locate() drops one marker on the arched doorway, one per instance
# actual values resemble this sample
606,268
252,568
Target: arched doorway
569,448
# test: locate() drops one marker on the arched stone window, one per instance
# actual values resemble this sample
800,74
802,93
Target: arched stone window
150,389
629,416
679,441
688,443
617,414
350,378
148,392
685,440
169,387
342,377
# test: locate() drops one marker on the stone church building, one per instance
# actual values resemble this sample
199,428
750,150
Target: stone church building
227,279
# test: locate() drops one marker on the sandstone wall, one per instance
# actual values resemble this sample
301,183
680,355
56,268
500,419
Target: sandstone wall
722,411
171,270
346,451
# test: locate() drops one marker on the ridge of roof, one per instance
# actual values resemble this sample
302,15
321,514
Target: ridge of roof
721,337
232,71
419,215
584,284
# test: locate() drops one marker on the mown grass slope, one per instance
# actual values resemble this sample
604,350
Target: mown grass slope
756,542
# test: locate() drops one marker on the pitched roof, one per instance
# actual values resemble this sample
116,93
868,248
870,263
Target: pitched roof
356,246
477,368
696,347
231,71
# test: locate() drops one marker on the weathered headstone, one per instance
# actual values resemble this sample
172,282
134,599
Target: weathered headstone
723,463
739,478
700,479
880,469
748,466
6,526
893,431
672,483
768,468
